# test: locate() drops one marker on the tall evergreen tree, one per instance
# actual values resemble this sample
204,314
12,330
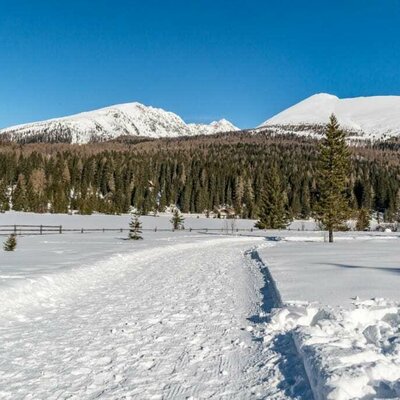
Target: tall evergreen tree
4,200
272,214
363,219
19,200
333,169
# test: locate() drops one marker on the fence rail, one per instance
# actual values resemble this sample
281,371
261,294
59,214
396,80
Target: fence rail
59,229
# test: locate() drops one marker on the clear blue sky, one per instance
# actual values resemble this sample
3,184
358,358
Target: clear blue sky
202,59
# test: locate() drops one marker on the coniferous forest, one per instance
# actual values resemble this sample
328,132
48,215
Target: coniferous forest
197,174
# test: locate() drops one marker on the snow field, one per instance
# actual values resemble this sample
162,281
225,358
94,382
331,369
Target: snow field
350,348
188,315
168,320
364,265
99,221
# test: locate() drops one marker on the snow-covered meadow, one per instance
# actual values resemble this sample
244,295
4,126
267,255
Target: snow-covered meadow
217,314
341,304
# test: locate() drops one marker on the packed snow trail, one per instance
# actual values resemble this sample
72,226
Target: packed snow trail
171,321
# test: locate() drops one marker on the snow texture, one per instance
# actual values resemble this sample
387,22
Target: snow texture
350,348
131,119
307,269
348,354
185,315
175,316
376,117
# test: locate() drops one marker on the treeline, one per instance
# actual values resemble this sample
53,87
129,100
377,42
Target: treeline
197,174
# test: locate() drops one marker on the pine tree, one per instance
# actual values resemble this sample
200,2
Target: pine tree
363,219
4,200
135,228
177,220
19,200
272,214
11,243
334,161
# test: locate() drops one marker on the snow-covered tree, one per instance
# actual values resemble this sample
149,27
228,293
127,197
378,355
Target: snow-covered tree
135,228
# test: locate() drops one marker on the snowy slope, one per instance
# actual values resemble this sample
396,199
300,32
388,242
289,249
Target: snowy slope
125,119
376,117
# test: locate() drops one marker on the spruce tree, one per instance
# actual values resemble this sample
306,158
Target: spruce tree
272,214
11,243
363,219
333,169
4,200
177,220
19,200
135,228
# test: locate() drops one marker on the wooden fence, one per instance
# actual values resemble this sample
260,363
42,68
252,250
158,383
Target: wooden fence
59,229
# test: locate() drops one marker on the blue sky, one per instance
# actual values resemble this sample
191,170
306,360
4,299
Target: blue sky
204,60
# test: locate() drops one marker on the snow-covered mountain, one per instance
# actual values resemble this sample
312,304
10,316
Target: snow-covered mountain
133,119
373,118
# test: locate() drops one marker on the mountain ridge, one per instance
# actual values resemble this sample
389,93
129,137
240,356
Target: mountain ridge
129,119
366,118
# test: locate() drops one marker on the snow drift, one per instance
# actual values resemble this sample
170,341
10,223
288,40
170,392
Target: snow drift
348,353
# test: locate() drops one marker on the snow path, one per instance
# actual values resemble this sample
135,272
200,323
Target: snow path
169,322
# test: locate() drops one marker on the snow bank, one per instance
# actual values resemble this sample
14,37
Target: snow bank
348,354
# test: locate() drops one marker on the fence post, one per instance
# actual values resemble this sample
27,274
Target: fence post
103,230
155,229
82,230
121,230
60,229
15,229
41,229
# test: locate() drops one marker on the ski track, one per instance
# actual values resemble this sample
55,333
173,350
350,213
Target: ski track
177,322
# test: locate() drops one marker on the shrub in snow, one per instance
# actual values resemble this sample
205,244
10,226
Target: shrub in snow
11,243
177,220
135,228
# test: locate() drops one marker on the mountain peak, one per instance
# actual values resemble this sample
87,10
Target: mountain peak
322,95
375,117
128,119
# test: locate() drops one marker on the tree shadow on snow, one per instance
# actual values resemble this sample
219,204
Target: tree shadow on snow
394,270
